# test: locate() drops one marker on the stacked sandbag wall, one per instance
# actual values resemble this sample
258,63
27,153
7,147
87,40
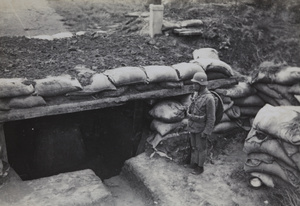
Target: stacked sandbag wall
229,85
274,84
24,93
277,84
168,130
169,136
241,97
272,146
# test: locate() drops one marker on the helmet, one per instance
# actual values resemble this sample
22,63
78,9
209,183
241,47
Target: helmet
200,78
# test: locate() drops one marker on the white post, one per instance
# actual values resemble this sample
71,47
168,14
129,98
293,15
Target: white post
156,19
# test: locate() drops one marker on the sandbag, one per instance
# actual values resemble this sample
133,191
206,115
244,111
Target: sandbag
294,171
252,100
15,87
266,158
225,118
4,104
289,148
267,99
167,25
168,111
126,75
265,178
214,65
264,88
223,127
288,76
186,100
242,89
279,122
187,70
234,112
206,53
227,106
287,174
27,102
296,158
293,108
284,91
191,23
165,128
114,93
295,89
216,75
54,86
226,100
170,85
257,142
154,139
221,83
283,102
99,83
268,72
249,111
161,74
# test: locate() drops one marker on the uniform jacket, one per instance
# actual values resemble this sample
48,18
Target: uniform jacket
201,113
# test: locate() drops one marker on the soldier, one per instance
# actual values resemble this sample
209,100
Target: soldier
201,120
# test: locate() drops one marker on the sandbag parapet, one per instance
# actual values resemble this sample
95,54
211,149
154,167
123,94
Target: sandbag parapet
277,83
108,83
242,99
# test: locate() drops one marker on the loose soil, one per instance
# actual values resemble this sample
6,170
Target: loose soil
244,35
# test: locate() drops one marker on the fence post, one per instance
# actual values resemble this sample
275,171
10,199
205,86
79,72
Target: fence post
156,19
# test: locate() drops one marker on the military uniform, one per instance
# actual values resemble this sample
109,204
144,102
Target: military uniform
201,116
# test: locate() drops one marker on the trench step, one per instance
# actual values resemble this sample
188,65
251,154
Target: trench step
80,188
170,184
125,194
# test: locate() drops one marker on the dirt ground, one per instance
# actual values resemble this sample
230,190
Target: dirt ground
244,35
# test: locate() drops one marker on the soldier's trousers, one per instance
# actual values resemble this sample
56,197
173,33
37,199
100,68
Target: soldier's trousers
198,149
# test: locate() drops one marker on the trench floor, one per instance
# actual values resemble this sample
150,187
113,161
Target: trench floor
123,194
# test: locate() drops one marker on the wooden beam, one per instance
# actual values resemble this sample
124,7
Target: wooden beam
3,151
138,123
70,107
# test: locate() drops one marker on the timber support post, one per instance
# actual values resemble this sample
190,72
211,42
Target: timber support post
3,151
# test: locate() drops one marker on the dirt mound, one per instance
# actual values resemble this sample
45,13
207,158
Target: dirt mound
244,36
33,58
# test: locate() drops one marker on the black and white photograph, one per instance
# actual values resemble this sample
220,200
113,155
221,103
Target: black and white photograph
149,103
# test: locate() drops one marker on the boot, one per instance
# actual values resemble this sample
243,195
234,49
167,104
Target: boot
192,166
198,170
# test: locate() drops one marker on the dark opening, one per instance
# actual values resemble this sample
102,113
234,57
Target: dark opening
100,140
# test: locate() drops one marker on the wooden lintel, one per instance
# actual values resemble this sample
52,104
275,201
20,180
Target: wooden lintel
70,107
